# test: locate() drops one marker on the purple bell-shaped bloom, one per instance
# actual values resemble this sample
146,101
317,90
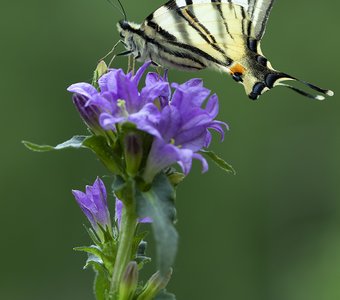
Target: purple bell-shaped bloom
94,205
184,129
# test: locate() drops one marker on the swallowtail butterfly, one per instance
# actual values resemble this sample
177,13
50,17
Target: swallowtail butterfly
219,34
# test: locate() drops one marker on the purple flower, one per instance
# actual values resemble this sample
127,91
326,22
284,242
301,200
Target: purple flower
94,205
89,113
179,123
119,212
184,129
119,99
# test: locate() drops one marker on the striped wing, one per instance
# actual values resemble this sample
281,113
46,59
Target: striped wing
215,28
259,11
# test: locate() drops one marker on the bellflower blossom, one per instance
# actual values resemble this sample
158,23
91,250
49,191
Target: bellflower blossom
184,128
179,123
120,101
94,205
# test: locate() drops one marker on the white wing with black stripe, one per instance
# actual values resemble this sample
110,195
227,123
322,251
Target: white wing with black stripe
220,34
214,27
258,11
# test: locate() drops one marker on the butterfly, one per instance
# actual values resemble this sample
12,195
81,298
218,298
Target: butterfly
223,35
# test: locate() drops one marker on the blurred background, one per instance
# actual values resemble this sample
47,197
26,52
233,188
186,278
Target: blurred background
272,232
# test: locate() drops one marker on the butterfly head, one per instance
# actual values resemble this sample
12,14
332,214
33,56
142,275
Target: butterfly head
130,34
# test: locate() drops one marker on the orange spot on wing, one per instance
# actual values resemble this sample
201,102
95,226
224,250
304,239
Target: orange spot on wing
237,68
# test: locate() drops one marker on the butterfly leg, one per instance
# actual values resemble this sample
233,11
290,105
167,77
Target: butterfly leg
110,52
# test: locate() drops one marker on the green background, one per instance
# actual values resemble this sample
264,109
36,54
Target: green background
272,232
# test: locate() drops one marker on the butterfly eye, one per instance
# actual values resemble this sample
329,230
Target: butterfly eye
238,77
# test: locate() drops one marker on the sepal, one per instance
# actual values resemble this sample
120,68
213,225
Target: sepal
100,70
129,282
156,284
174,176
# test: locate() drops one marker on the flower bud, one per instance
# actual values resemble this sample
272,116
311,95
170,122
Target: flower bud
133,149
94,205
100,71
155,284
88,113
129,282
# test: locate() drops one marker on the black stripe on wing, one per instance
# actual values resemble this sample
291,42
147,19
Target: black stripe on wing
217,4
165,34
265,19
193,22
260,14
179,54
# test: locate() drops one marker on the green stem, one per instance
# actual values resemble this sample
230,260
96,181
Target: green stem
126,238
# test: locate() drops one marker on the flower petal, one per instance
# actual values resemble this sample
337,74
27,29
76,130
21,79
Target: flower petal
108,122
193,138
118,211
83,88
160,156
185,160
101,103
212,106
187,96
108,82
146,119
84,203
204,162
151,92
220,127
140,72
170,122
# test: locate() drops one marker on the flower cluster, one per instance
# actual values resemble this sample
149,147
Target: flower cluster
178,122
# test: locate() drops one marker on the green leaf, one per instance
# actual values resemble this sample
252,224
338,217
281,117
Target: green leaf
91,250
102,255
158,203
164,295
75,142
218,161
101,284
99,145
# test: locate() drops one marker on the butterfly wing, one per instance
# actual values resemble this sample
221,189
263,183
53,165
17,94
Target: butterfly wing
258,11
195,34
217,28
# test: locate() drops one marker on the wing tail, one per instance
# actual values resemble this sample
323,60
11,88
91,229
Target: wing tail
285,77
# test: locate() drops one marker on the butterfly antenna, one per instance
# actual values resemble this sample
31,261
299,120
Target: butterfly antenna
120,8
123,10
